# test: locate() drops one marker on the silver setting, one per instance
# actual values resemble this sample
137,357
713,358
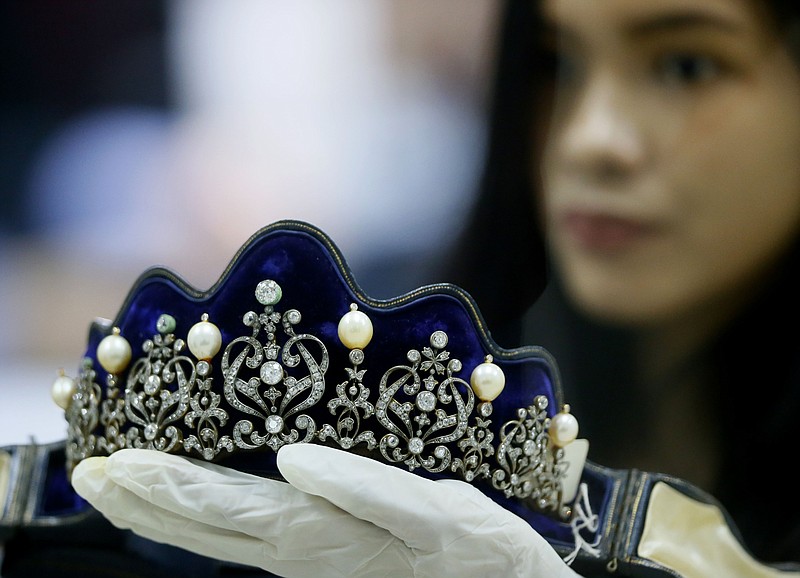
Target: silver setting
529,467
157,394
424,415
406,403
351,406
258,385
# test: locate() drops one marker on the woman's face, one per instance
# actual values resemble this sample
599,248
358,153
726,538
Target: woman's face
671,169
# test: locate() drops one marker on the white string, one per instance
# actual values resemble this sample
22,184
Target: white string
583,519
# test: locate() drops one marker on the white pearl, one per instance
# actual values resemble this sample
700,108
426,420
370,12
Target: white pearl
355,329
563,429
114,352
204,340
487,380
62,391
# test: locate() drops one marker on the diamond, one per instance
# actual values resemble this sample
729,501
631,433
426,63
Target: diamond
274,424
356,356
426,401
415,446
529,447
271,372
152,385
268,292
439,339
203,367
165,324
150,431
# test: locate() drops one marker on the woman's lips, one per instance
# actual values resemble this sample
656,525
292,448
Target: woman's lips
602,232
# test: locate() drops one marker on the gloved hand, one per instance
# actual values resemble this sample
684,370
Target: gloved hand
340,515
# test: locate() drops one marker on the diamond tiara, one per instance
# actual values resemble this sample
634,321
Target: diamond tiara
231,375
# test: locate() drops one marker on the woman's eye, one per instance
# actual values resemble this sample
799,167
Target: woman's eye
687,69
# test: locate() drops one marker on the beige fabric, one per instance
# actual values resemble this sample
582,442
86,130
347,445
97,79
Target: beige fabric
5,475
695,540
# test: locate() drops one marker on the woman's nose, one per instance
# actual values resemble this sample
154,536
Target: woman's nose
601,137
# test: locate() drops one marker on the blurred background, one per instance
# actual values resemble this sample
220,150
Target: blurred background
166,132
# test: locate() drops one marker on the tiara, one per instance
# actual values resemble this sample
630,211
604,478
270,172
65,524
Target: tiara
286,348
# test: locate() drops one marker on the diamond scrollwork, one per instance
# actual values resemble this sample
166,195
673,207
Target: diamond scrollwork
83,415
256,383
112,418
476,446
351,403
150,403
206,416
421,414
529,465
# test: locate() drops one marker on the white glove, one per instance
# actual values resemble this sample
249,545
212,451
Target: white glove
340,515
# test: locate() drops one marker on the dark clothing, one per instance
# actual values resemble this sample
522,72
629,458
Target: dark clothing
756,399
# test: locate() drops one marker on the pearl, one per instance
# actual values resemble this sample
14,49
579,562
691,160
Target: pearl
63,389
487,380
204,339
355,329
114,352
563,428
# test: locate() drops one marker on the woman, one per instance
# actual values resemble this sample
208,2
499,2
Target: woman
672,206
663,150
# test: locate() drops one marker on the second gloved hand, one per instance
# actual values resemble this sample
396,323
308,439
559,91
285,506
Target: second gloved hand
340,515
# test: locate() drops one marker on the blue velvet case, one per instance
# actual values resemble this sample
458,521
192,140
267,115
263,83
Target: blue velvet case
317,282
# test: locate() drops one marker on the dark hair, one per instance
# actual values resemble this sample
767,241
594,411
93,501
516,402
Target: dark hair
501,255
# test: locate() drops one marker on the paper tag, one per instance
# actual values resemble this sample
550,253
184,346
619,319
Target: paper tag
5,479
575,458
